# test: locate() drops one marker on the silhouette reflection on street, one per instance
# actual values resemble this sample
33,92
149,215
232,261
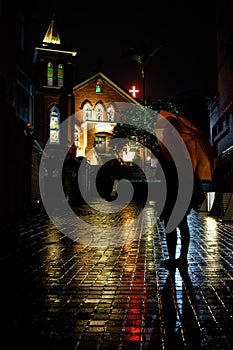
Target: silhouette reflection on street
179,313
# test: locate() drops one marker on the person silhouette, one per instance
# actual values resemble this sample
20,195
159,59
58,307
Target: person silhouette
169,168
172,184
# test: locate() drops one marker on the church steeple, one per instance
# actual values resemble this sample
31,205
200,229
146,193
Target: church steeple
52,35
54,101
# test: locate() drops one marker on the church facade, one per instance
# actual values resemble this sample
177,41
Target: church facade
99,103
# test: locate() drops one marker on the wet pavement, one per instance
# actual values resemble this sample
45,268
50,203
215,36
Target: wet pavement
57,293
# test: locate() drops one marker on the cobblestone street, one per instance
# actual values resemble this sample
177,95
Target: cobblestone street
58,294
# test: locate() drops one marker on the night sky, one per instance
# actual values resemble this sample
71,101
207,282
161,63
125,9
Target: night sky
184,31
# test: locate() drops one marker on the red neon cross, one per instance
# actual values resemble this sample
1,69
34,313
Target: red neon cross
134,91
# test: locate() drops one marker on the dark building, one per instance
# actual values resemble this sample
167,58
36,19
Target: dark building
221,109
16,108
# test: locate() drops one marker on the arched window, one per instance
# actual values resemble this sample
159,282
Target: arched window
99,112
50,74
60,75
87,112
54,136
110,113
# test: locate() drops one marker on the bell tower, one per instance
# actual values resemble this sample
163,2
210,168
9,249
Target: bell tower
54,101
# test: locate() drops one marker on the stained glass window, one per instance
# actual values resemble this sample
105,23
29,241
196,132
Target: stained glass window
110,113
50,74
99,112
87,112
60,74
99,86
54,136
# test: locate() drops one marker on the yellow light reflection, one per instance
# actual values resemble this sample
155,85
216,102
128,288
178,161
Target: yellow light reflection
211,227
211,243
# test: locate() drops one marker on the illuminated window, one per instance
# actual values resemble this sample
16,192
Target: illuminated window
50,74
60,74
99,112
99,86
54,136
110,113
76,136
100,142
87,112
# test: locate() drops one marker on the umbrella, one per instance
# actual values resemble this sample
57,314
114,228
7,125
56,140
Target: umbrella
197,143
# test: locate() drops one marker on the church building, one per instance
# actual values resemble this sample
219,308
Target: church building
92,104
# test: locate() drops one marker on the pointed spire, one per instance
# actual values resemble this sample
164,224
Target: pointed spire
52,35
